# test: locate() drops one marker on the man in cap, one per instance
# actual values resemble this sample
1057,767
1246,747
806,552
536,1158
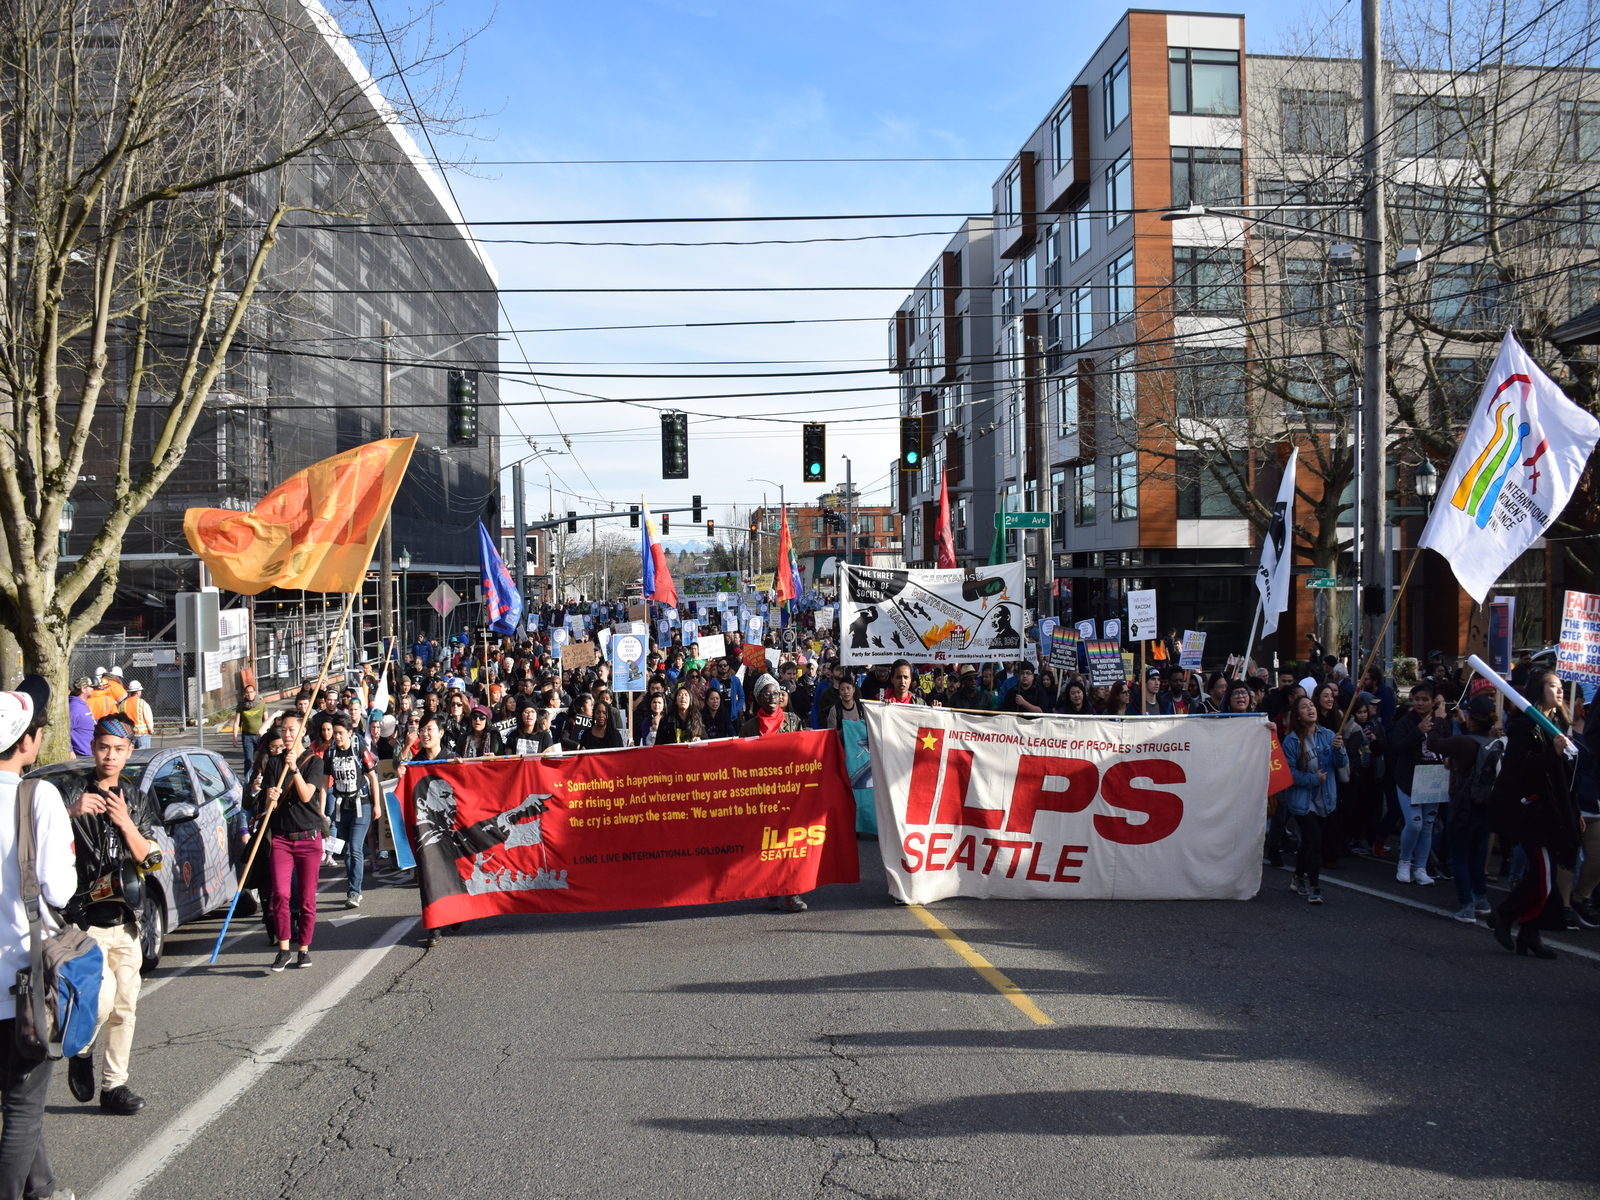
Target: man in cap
1151,695
768,719
81,726
24,1164
137,709
114,834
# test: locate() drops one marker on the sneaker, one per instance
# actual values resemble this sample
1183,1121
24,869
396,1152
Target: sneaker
1379,849
327,860
794,904
1361,851
1300,885
302,960
1584,911
1480,905
121,1100
80,1077
1314,896
1467,915
282,960
1572,922
435,936
1403,875
353,900
1420,875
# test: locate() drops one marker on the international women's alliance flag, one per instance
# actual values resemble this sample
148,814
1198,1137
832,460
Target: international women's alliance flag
1513,474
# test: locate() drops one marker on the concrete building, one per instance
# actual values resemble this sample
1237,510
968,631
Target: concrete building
1142,379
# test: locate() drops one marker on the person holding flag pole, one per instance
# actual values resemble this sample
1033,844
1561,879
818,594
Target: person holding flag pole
1274,575
316,531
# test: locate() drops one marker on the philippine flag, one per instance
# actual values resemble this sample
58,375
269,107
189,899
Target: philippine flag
657,578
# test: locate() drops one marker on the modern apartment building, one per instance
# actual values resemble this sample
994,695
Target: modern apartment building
1142,378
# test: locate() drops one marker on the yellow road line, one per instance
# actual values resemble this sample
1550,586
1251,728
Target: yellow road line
982,966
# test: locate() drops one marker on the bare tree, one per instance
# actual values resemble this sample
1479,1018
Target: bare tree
149,150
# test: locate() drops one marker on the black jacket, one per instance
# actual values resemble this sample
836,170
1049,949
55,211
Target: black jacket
1532,803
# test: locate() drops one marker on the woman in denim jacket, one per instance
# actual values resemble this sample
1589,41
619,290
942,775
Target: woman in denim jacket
1314,754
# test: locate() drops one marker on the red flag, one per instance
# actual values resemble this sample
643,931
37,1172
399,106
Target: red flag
1280,776
788,582
942,536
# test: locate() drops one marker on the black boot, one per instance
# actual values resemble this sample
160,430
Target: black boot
1502,929
1529,942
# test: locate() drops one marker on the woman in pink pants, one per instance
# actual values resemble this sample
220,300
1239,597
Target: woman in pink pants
296,827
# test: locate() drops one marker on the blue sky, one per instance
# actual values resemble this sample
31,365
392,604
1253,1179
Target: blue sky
747,80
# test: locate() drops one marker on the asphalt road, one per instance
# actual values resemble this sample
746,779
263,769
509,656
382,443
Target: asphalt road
1260,1049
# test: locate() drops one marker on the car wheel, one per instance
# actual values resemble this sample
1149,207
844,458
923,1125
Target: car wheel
152,930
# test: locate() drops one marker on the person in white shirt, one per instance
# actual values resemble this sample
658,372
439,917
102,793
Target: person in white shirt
24,1164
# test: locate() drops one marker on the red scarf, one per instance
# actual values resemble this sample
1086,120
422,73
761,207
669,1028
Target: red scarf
769,722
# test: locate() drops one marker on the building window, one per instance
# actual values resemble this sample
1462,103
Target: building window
1119,288
1013,428
1061,136
1303,281
1295,193
958,518
1455,215
1460,380
1082,316
1585,285
1582,120
1013,354
1122,384
1052,257
1577,222
948,405
1200,491
1464,295
1066,391
1012,195
1206,175
1114,89
1315,122
1125,486
1008,291
1059,501
936,353
934,290
1081,224
1204,82
1029,274
1437,126
1054,352
1083,495
1119,190
1205,280
1209,385
914,531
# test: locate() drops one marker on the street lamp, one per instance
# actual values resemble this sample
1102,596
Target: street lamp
1425,480
782,504
64,525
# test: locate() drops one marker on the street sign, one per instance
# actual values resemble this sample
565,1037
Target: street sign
1023,520
1318,572
1330,583
443,599
1142,615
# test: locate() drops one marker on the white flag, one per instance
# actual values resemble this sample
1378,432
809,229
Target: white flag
380,697
1277,551
1513,473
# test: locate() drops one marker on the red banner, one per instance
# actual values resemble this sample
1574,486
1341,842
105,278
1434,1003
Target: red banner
648,828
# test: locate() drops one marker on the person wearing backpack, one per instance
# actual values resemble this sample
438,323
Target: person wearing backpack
1474,757
116,843
24,1080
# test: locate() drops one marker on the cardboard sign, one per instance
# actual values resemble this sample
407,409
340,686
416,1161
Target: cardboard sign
1142,616
578,655
1113,629
1578,655
754,656
1105,662
1064,650
638,612
1086,630
1192,650
713,646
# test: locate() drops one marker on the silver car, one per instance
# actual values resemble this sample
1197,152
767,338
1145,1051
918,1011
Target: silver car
200,824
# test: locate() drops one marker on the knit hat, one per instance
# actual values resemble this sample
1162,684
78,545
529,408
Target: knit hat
763,682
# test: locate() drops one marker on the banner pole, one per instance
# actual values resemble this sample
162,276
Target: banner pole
1250,645
1377,642
1140,684
255,844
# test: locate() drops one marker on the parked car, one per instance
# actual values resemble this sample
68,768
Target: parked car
201,826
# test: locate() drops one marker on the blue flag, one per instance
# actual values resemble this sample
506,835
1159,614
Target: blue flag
501,602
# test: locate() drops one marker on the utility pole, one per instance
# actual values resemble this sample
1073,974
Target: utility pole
1374,423
386,544
849,514
519,518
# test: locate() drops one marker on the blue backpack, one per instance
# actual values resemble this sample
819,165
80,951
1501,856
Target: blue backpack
58,993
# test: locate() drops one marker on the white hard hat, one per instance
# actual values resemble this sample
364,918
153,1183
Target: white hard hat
117,671
99,671
135,686
16,714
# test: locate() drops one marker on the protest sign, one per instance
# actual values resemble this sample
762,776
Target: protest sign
931,616
1502,613
712,645
1578,654
710,584
1086,631
644,828
754,656
576,655
638,612
1058,807
1192,650
1142,615
558,637
1113,629
1064,649
627,663
1105,662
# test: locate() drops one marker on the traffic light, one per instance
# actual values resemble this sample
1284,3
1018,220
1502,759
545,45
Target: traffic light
633,516
572,521
462,421
910,443
666,524
814,466
697,510
674,445
711,530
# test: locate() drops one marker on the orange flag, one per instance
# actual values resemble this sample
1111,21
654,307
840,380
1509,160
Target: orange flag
315,531
1280,776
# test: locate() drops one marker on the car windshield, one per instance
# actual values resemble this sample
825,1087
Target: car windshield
132,773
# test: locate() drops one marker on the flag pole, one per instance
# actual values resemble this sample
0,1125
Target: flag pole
1377,642
322,675
1250,645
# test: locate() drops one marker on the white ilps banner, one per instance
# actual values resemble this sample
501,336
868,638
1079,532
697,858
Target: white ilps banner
1058,808
930,616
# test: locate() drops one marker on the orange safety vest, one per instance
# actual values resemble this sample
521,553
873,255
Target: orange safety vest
115,689
141,714
101,704
1158,650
